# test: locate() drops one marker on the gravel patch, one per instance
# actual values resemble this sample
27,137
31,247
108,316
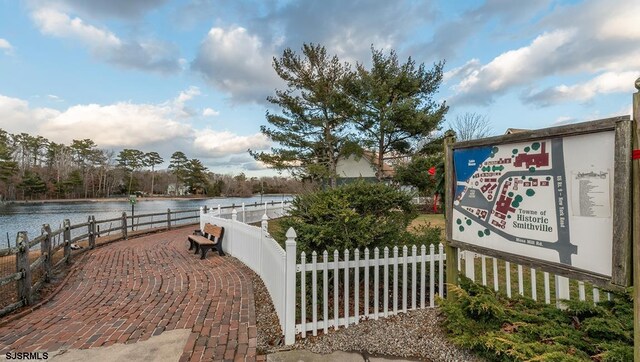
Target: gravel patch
415,335
269,334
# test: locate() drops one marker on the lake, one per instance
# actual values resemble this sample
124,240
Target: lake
30,217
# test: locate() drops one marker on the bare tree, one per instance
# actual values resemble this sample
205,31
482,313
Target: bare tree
470,126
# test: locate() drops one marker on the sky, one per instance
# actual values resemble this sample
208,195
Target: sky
193,75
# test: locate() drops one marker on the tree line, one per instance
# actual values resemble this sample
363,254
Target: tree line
33,167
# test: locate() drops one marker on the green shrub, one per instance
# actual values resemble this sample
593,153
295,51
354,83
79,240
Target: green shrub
356,215
520,329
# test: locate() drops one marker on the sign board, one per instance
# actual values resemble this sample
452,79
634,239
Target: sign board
547,198
132,199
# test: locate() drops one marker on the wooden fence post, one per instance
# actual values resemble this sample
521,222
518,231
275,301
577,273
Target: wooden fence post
96,228
168,219
452,253
66,236
290,288
45,249
90,232
636,224
125,236
23,266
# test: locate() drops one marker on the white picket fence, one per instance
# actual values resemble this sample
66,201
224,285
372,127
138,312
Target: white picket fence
253,245
412,273
530,282
344,288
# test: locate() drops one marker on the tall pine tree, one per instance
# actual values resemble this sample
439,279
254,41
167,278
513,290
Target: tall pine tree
312,128
395,105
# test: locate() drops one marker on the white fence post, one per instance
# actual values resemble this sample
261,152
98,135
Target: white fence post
469,265
562,291
230,234
290,288
244,219
265,232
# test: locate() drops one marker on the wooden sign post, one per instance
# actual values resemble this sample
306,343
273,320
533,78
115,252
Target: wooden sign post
451,252
636,224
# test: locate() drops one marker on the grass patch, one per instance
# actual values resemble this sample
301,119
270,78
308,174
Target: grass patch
434,220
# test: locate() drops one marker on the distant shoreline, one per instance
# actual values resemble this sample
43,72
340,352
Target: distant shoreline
123,199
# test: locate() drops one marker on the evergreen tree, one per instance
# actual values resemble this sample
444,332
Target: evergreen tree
395,106
130,160
312,129
151,159
8,167
196,176
32,184
178,166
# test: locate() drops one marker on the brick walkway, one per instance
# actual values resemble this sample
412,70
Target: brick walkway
131,290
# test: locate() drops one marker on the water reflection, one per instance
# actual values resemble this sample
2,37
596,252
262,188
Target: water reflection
31,216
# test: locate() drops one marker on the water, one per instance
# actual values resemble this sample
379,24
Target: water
30,216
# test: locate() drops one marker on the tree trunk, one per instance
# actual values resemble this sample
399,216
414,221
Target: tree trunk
379,166
130,181
152,179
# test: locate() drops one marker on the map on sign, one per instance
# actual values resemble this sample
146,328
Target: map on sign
511,195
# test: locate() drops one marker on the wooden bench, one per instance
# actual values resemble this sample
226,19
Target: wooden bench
211,238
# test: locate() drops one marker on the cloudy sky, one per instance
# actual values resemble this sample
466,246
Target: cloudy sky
193,75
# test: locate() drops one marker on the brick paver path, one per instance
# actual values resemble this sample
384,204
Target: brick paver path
131,290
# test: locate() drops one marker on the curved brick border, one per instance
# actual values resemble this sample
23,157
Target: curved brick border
135,289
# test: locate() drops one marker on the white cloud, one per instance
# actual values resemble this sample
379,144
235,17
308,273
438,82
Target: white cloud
56,23
178,106
105,45
187,95
237,62
116,125
6,46
210,112
463,71
512,68
54,98
591,37
159,127
563,120
610,82
17,116
210,143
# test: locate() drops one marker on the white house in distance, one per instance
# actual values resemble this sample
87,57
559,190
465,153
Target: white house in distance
172,190
354,167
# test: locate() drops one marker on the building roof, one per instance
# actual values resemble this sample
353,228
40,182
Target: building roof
515,130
